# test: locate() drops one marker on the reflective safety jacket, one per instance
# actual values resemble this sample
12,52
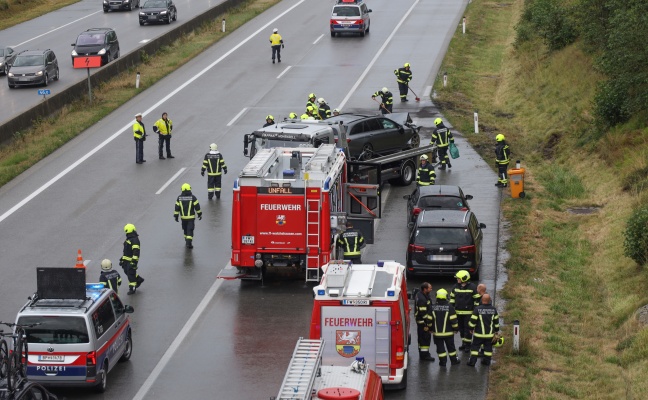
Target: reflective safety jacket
351,241
442,136
464,298
275,39
214,163
187,206
324,111
422,311
131,248
502,153
139,132
484,321
444,319
426,175
403,75
111,279
315,109
306,116
163,126
387,97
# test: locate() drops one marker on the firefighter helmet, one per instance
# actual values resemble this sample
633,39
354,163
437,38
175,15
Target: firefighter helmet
213,147
269,117
463,275
311,96
500,138
499,342
336,110
442,294
424,157
185,187
385,90
129,228
321,100
406,65
292,115
106,265
438,121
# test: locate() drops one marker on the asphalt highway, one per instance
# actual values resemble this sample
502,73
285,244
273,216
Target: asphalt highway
195,336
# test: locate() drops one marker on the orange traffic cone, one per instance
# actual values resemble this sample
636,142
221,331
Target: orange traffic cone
79,263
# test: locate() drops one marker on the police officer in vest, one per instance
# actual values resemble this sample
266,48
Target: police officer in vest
444,326
109,277
484,325
351,242
187,208
464,297
163,128
423,319
442,137
139,133
214,163
276,42
130,258
426,173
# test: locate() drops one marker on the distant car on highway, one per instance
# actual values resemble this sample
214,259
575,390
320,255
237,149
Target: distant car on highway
350,16
158,11
97,41
435,197
113,5
7,55
33,67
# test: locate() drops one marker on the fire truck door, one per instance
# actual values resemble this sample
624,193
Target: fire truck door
362,205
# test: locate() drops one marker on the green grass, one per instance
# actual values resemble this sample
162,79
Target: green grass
14,12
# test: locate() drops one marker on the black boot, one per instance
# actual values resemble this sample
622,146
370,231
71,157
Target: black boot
210,196
188,244
455,361
486,361
218,195
425,356
472,361
140,280
131,290
443,361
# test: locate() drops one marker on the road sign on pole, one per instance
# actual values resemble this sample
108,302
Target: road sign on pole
87,62
44,93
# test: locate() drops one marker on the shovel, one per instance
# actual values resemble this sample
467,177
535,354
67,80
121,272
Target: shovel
415,96
381,105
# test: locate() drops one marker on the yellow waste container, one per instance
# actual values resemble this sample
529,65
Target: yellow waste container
516,181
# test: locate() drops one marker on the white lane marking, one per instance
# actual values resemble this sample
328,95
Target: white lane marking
173,178
56,29
284,71
427,91
373,61
318,39
151,109
237,117
188,327
145,41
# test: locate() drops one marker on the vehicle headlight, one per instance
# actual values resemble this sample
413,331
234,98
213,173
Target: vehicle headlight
102,52
126,1
1,63
142,14
10,75
74,53
163,12
39,73
105,1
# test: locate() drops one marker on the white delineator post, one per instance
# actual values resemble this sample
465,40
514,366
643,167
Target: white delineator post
137,80
516,336
476,122
463,24
223,25
445,79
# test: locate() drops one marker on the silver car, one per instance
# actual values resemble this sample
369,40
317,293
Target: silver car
33,67
350,16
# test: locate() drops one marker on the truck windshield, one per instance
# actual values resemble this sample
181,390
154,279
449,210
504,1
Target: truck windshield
55,330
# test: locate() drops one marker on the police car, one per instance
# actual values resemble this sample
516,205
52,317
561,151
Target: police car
77,332
350,16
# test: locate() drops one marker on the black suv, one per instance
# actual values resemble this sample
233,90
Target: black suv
444,242
158,11
435,197
33,67
97,41
7,55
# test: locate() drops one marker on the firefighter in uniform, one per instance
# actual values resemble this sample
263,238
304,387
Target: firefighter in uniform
336,112
324,109
214,163
269,121
276,42
312,102
130,259
426,174
109,277
387,100
139,133
502,158
484,325
442,137
403,76
351,242
187,208
311,113
444,326
423,319
163,128
464,298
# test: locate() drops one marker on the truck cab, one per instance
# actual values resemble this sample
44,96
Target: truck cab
362,310
287,134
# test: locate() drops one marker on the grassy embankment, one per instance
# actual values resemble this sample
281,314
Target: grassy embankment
570,285
29,147
14,12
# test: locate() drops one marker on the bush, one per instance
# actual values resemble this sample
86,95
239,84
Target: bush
550,20
635,245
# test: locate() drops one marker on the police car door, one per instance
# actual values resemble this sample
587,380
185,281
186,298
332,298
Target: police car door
120,315
103,321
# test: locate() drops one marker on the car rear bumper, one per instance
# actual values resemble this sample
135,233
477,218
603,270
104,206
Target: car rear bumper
414,268
347,28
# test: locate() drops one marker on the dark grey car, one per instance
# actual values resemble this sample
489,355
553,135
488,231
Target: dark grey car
33,67
97,42
7,55
158,11
377,135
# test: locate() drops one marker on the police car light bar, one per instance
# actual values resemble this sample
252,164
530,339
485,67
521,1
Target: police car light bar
95,286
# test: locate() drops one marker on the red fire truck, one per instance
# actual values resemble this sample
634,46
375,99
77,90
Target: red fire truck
364,311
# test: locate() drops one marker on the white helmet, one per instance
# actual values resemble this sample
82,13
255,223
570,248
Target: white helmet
106,265
424,157
385,89
275,30
213,147
321,100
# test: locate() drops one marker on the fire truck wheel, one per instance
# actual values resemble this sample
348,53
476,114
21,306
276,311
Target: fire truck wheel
407,173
